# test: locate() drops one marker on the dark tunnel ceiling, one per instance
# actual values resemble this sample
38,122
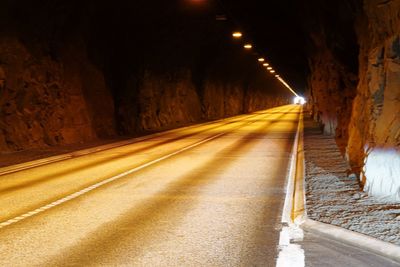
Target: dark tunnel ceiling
275,28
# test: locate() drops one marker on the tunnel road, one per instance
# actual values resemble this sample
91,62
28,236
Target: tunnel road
205,195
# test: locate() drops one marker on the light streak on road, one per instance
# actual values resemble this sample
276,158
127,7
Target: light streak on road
209,188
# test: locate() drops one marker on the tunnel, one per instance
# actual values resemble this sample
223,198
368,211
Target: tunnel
76,74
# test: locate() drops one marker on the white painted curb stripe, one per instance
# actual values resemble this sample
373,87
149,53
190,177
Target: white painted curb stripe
291,255
287,207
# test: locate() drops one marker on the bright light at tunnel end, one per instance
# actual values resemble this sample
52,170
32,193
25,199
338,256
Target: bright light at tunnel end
298,100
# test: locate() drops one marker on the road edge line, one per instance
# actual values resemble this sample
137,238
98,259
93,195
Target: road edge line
288,204
291,254
109,180
298,212
86,151
103,182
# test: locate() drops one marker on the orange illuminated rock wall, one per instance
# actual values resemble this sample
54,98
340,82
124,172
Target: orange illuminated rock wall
76,71
332,90
46,101
375,122
360,106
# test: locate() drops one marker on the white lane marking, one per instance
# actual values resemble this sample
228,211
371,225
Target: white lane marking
290,255
106,181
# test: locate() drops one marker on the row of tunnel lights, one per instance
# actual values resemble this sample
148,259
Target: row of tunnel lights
248,46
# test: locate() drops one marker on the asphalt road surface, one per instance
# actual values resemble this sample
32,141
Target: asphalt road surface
206,195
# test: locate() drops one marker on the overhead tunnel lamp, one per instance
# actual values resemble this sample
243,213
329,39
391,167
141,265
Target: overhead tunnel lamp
248,46
237,35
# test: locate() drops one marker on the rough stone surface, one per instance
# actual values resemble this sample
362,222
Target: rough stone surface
363,115
39,106
333,65
334,196
67,75
375,123
168,101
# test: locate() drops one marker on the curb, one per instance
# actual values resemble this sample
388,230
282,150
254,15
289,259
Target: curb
287,213
365,242
299,214
299,206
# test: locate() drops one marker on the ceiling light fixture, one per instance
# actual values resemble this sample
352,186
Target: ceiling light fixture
237,35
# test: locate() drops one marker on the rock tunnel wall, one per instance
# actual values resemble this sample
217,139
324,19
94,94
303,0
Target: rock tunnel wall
43,100
68,75
374,141
362,113
333,56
